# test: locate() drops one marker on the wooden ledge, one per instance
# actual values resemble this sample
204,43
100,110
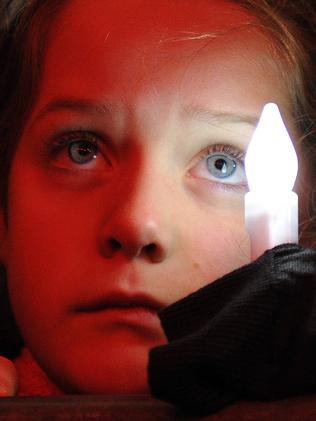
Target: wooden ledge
144,408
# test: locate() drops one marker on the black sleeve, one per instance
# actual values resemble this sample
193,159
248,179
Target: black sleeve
249,335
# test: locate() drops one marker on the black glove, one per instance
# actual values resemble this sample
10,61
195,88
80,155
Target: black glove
249,335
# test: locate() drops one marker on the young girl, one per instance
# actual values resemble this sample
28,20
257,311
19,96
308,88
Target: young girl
124,127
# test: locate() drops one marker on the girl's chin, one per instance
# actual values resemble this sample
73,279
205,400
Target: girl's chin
120,373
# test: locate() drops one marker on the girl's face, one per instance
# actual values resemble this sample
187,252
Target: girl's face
126,190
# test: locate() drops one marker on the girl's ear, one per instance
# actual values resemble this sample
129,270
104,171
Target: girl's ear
3,238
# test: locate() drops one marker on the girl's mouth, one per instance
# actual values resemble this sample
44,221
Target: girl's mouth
138,312
120,301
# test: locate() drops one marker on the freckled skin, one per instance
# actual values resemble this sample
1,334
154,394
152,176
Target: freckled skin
145,217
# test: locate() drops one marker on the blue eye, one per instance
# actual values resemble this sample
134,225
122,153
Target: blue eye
221,165
79,150
82,152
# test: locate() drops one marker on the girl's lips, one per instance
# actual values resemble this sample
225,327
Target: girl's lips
120,301
120,311
128,315
138,313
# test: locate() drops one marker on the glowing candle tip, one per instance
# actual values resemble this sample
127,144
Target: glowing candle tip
271,162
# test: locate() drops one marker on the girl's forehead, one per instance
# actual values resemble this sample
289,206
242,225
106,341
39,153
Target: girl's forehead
135,34
151,31
123,48
156,17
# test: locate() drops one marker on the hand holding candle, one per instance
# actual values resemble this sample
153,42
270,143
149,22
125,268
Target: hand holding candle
271,207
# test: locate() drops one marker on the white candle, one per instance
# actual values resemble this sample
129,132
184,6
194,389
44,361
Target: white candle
271,207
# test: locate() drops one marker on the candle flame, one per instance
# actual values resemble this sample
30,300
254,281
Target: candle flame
271,162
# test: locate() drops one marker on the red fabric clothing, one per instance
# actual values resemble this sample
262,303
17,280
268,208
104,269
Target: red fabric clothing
33,381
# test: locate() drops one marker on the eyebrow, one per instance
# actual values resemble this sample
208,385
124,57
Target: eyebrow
214,118
88,106
80,105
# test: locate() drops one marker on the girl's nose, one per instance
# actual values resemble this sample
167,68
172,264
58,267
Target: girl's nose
143,240
139,224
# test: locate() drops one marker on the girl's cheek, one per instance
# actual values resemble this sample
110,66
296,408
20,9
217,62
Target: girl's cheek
220,198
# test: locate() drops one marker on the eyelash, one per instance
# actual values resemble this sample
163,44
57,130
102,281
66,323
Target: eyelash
229,150
60,142
221,148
